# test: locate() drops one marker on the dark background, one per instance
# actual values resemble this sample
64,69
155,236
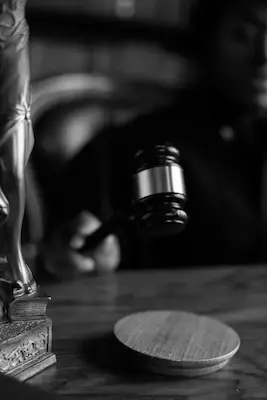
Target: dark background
134,39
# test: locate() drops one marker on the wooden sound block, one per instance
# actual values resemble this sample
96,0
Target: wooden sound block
177,343
25,348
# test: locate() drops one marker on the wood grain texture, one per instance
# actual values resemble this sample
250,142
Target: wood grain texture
177,343
11,388
89,365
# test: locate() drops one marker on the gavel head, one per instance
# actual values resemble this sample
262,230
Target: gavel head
159,191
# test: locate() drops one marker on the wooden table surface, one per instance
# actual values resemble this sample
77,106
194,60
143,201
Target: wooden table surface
84,313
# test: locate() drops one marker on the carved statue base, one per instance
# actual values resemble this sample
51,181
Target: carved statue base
25,348
25,332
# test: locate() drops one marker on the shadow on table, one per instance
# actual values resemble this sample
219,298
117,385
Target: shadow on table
108,354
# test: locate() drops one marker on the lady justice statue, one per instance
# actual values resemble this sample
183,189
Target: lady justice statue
16,136
25,332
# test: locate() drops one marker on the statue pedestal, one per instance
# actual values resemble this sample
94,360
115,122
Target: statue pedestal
25,347
25,331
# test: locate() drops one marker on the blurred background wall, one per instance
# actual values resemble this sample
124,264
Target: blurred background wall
130,39
96,63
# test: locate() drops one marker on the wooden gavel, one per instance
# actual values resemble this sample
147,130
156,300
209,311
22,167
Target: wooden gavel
159,197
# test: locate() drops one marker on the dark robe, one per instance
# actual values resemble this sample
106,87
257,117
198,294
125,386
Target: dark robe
222,154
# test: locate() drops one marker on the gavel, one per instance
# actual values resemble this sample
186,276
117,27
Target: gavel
159,197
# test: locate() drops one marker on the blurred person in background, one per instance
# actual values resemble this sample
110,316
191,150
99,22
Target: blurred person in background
219,126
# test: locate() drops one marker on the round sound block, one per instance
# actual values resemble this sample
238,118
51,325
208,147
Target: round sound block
177,343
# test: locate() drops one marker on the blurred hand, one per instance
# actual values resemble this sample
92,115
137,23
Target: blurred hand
62,257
